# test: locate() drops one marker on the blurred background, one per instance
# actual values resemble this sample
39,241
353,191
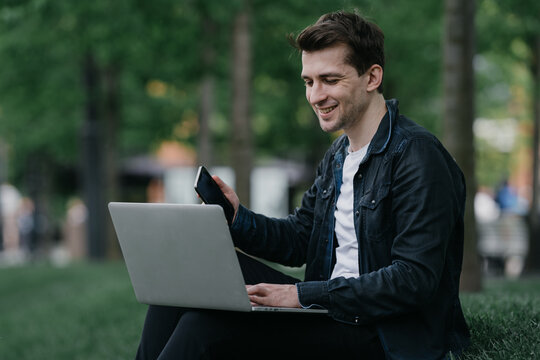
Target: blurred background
121,101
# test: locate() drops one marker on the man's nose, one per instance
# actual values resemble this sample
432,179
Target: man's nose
316,94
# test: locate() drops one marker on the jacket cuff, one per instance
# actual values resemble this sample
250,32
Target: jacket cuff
241,224
240,219
313,293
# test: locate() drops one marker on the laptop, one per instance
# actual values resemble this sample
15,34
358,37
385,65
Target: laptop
183,255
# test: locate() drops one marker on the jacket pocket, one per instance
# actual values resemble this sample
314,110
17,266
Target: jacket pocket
325,190
376,208
324,195
325,187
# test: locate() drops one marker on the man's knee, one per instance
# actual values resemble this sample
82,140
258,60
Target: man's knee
203,334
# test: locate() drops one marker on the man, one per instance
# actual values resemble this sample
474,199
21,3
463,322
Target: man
380,232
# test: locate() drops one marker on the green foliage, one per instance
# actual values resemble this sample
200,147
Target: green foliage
35,117
504,59
284,123
413,72
157,51
504,67
163,41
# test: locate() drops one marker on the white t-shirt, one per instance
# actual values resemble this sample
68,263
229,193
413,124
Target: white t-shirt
347,251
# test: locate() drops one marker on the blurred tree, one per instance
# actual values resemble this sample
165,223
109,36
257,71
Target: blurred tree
208,85
284,124
241,137
525,20
66,51
163,70
40,134
533,257
413,72
459,50
91,164
514,34
103,62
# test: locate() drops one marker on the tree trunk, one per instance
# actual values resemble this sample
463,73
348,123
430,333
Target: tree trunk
459,38
204,140
3,177
38,183
92,171
242,147
532,264
110,155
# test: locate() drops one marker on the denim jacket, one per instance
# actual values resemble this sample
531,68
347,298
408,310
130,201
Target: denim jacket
409,197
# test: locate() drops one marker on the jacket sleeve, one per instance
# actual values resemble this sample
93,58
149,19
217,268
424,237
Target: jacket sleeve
284,241
427,196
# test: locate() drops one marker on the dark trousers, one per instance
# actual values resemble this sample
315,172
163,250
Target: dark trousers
179,333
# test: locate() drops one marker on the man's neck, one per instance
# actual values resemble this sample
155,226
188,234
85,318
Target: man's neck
363,131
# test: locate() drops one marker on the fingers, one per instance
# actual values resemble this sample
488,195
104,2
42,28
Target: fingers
258,294
258,289
222,185
273,295
228,192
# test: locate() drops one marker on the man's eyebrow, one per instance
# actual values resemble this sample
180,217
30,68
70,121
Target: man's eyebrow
333,75
325,75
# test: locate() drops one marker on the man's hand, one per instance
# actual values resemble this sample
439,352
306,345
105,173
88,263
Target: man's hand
229,193
273,295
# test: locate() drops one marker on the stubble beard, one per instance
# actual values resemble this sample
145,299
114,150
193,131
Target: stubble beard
344,121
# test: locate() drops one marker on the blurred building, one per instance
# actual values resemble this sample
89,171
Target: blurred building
169,175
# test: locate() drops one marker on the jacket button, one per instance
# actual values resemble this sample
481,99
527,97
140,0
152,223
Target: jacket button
373,201
356,319
360,176
324,191
357,213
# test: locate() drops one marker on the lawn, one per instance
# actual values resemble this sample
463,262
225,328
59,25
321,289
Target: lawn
83,311
504,320
88,311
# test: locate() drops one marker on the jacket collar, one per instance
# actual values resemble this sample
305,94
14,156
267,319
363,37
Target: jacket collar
384,132
380,140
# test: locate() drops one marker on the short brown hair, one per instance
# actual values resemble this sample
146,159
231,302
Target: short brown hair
364,39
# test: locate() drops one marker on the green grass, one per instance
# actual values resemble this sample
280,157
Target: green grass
89,311
504,320
83,311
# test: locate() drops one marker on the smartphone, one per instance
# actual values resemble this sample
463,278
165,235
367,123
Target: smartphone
210,193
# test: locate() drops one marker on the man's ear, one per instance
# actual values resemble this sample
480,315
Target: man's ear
375,76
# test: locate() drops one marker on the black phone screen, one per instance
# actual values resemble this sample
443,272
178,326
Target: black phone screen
210,193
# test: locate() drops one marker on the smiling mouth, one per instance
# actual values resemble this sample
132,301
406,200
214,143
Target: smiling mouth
327,110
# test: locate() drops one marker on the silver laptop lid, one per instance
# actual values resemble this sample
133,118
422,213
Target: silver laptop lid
180,255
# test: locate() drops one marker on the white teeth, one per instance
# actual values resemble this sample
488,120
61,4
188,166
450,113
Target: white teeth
327,110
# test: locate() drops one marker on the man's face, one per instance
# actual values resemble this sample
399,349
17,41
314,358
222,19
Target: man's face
335,91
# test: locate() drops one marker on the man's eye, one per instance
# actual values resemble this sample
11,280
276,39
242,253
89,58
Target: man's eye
308,83
331,81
